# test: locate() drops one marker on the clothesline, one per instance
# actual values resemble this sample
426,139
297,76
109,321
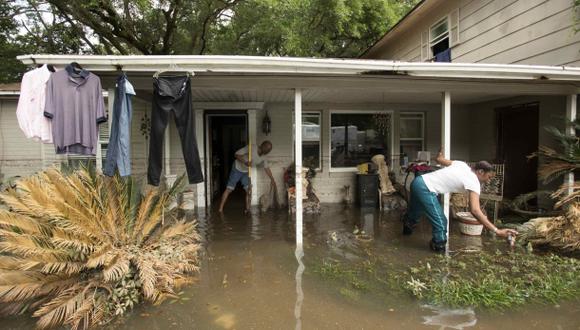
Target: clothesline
65,108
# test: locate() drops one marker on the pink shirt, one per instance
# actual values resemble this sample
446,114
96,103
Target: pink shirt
30,110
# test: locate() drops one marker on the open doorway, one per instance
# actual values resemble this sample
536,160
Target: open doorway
518,128
226,133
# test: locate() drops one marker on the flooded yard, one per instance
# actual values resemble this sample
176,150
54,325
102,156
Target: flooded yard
250,279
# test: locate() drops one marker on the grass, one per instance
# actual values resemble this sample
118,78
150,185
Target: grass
496,281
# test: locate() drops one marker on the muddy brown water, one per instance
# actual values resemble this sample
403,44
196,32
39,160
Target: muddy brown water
249,279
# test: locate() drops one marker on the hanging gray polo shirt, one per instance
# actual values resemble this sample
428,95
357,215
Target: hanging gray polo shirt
74,103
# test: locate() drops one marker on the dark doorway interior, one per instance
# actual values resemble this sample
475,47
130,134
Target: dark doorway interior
228,133
517,138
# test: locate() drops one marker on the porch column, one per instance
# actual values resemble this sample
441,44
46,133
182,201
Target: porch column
200,189
252,135
299,252
298,163
446,145
169,178
571,106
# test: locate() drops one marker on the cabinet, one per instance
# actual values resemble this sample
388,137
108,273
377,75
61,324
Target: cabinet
367,190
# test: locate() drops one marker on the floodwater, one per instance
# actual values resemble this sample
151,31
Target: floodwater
250,279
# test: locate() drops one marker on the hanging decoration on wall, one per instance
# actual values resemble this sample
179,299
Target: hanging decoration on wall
145,127
266,124
383,122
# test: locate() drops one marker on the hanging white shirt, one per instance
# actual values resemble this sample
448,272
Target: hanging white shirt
456,178
256,159
30,110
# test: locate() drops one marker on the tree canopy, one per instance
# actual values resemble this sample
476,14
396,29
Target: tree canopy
311,28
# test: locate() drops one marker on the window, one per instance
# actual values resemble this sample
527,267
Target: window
436,42
311,140
439,40
412,135
356,137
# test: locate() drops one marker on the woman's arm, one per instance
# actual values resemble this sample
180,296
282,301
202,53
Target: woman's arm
476,211
441,159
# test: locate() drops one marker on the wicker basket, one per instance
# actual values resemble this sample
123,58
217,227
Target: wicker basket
468,225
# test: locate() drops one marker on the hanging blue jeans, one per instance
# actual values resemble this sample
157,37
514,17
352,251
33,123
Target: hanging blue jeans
119,149
423,201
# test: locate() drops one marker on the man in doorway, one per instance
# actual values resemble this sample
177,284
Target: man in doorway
240,169
456,177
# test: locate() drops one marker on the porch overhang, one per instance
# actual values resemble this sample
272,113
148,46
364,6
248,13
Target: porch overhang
308,66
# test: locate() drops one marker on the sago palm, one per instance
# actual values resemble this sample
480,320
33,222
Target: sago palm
77,249
561,232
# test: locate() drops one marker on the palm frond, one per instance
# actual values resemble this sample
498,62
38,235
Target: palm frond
118,268
61,308
148,277
23,222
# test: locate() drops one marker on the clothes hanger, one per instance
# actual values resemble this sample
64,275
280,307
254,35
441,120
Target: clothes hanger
76,67
173,68
50,67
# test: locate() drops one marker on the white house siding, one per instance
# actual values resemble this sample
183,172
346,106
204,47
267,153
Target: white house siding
498,31
524,32
20,156
139,145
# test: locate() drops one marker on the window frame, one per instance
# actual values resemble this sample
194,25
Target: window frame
422,118
358,112
319,114
441,36
453,19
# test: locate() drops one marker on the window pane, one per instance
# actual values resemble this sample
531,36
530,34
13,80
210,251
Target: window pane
410,149
311,154
311,127
411,128
439,29
355,138
311,140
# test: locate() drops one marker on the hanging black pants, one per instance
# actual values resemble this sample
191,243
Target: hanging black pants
173,93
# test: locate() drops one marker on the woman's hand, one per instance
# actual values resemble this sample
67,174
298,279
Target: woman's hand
505,232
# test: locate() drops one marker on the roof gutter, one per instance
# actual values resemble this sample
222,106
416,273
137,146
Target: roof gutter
306,66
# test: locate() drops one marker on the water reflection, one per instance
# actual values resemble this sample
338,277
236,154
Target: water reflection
457,319
299,292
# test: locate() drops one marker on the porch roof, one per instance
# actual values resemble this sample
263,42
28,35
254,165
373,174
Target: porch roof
336,81
309,66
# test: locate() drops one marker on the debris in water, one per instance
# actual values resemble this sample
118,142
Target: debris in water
225,281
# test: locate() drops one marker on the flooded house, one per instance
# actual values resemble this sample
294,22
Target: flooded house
479,78
460,106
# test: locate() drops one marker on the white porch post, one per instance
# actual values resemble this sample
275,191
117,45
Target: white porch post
200,189
446,144
299,252
169,178
298,163
571,106
252,135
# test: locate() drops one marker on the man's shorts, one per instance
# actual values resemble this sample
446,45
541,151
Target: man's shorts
238,176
